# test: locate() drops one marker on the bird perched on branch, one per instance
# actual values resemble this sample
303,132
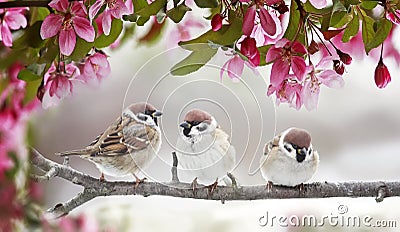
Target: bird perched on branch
289,159
127,145
203,149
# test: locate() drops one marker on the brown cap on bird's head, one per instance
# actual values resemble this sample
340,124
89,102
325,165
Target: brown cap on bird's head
197,115
141,107
299,137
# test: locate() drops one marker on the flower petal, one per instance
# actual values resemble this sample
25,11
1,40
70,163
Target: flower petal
298,47
235,67
106,22
279,71
51,25
319,4
6,35
15,20
67,41
78,9
299,67
267,23
273,54
310,95
248,21
94,9
331,79
59,5
83,28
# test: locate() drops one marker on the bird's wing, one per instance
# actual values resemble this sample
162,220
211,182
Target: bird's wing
271,144
110,142
138,136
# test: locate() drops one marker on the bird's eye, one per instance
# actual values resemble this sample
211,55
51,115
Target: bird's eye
141,116
288,147
309,151
202,127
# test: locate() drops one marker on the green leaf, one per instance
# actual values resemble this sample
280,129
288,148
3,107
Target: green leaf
28,76
49,52
294,22
38,14
351,29
130,18
340,19
383,28
193,62
263,54
106,40
30,37
226,36
176,14
82,48
152,9
206,3
31,89
153,34
368,32
369,5
142,20
139,4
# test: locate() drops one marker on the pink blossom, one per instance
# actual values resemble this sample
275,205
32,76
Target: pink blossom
319,4
69,21
286,55
11,19
270,23
288,91
382,75
183,31
319,75
249,49
59,83
114,9
234,67
96,66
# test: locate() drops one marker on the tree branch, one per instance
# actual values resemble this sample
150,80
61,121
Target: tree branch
94,187
15,4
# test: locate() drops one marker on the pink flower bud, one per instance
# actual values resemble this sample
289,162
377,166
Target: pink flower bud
313,47
338,67
216,22
382,75
344,57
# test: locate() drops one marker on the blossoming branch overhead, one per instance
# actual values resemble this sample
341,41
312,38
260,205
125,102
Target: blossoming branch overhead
308,43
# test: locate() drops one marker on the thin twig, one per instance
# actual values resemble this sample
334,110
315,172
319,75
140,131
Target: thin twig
174,168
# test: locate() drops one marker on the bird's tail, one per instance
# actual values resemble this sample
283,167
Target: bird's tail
73,152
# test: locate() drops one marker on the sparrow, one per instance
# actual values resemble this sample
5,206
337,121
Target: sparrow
128,145
289,159
203,148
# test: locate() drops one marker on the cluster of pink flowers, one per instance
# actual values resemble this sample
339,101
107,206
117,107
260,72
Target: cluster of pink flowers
61,79
11,19
14,113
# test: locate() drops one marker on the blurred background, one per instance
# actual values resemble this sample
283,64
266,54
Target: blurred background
356,130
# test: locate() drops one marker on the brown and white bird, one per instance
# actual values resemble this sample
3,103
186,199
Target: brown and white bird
289,159
126,146
203,149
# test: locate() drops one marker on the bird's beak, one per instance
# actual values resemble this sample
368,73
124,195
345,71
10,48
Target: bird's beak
156,114
302,151
185,125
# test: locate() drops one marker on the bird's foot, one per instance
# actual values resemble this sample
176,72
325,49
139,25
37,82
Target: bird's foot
269,186
193,185
211,188
102,179
139,181
301,188
234,184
